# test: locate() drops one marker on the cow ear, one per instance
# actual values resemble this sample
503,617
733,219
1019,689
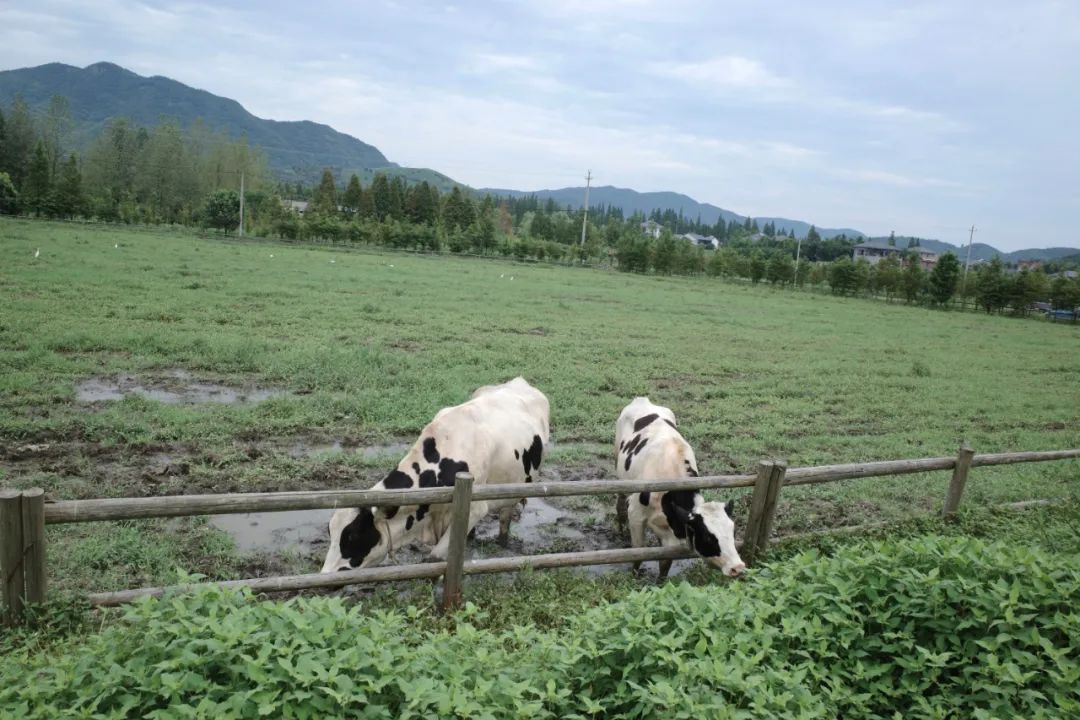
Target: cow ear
681,514
729,507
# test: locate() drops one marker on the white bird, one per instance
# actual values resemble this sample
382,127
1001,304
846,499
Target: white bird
271,254
511,277
37,252
116,245
502,276
391,265
333,261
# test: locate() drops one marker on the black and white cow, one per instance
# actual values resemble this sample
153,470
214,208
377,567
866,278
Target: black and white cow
650,447
498,435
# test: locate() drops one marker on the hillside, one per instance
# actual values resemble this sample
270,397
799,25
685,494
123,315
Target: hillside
296,151
633,201
982,251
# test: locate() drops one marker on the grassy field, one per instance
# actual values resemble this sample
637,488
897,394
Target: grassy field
362,348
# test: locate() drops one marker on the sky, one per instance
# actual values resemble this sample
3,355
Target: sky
921,118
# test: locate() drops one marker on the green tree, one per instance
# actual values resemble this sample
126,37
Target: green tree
35,191
943,278
663,259
9,197
222,210
56,131
812,235
69,201
781,268
757,267
843,277
353,196
1065,293
887,275
20,134
991,287
892,238
460,212
324,201
913,278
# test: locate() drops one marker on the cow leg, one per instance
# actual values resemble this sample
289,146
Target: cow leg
621,518
667,540
505,516
637,538
477,511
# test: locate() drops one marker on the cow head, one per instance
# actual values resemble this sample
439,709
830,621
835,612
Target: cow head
361,538
710,532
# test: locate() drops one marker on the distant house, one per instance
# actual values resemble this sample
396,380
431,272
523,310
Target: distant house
651,228
703,240
874,251
1029,264
297,206
1065,274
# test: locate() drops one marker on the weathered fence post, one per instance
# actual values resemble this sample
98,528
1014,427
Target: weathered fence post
11,564
959,478
459,528
770,476
33,545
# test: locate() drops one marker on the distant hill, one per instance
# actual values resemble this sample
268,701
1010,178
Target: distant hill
633,201
99,92
982,251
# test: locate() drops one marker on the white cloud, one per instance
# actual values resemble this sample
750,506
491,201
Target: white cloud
729,71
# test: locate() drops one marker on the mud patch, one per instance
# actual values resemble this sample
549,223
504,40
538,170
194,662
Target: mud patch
306,449
172,387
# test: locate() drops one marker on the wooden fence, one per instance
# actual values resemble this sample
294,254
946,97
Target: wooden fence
25,514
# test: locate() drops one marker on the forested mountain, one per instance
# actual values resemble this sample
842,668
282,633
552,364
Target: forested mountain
295,151
982,251
632,201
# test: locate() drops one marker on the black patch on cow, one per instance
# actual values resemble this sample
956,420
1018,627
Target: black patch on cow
531,456
641,446
390,511
629,448
621,443
684,501
517,455
397,480
701,538
669,422
643,498
729,506
690,469
448,470
416,468
421,511
630,453
409,523
359,537
431,453
427,479
644,421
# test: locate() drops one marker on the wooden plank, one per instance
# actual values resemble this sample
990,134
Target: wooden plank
831,473
757,508
406,572
768,512
1022,457
33,544
11,564
959,479
69,511
459,528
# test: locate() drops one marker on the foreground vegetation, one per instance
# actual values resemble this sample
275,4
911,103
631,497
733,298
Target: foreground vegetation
936,626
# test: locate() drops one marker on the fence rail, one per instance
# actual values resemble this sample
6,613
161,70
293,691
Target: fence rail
24,515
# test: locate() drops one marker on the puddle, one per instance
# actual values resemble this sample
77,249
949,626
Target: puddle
171,387
268,532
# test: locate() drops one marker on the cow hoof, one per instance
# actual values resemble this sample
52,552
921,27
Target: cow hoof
472,534
433,559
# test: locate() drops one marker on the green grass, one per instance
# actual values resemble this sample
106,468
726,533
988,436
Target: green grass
368,346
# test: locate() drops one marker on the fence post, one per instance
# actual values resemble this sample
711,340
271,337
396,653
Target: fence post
459,528
768,514
33,545
770,476
959,478
11,566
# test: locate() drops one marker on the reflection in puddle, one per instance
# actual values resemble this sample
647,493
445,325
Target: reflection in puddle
172,387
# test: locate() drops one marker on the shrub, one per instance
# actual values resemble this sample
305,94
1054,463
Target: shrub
933,627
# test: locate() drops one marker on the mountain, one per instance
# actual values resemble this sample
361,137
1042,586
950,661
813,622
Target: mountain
99,92
982,251
632,201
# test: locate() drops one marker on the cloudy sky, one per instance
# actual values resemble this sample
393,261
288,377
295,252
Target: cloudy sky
918,117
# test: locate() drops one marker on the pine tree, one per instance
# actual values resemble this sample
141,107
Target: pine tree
324,201
460,212
68,192
913,278
943,278
812,235
35,191
381,196
353,197
892,238
19,142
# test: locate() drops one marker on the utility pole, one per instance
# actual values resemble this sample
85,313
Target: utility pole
585,220
798,251
241,203
967,263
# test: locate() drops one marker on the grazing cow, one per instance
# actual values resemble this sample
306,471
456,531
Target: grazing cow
498,435
651,448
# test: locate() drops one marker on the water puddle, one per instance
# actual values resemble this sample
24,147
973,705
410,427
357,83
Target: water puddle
300,530
171,387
